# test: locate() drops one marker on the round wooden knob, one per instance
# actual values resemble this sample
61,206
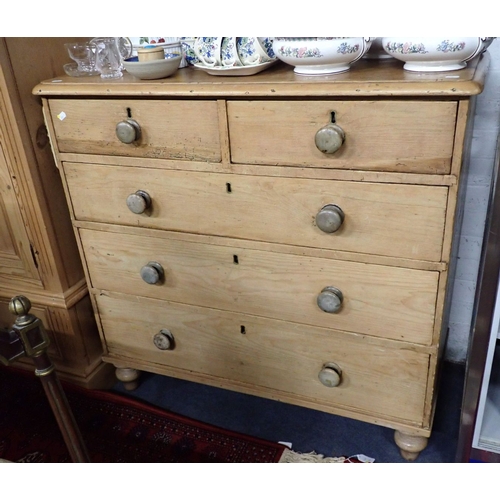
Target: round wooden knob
152,273
164,340
128,131
138,202
330,375
330,218
330,299
329,138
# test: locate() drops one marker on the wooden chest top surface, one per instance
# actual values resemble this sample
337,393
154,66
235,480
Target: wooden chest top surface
365,78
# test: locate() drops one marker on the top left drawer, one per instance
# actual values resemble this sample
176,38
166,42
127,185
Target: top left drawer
170,129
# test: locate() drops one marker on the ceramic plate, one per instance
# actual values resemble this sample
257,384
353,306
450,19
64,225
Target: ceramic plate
235,70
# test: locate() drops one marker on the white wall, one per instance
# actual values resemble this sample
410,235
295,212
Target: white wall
486,129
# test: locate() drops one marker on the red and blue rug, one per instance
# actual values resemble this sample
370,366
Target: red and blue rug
115,429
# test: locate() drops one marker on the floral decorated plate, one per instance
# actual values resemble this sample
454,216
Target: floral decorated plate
235,70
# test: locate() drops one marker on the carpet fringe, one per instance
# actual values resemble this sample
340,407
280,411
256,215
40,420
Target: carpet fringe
290,456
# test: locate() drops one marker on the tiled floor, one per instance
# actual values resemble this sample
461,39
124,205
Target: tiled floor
307,430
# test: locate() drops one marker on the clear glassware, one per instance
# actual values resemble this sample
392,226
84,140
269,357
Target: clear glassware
84,54
108,58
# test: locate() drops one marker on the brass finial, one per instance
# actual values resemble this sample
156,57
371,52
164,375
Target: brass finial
20,306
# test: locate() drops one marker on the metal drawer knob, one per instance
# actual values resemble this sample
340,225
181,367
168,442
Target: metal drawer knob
330,299
128,131
330,375
138,202
330,218
152,273
329,138
164,340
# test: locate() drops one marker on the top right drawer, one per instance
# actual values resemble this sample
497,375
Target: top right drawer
392,136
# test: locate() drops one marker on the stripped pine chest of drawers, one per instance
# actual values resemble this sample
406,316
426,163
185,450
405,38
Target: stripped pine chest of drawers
288,237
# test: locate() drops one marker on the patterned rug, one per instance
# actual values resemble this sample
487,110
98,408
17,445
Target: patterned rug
116,429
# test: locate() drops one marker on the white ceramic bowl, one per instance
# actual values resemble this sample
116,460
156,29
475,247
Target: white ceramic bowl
169,44
321,55
377,51
435,53
152,70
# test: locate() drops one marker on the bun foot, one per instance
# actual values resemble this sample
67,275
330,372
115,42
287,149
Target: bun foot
129,377
410,446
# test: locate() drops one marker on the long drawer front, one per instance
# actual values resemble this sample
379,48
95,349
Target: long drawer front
168,129
409,136
381,301
272,357
382,219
